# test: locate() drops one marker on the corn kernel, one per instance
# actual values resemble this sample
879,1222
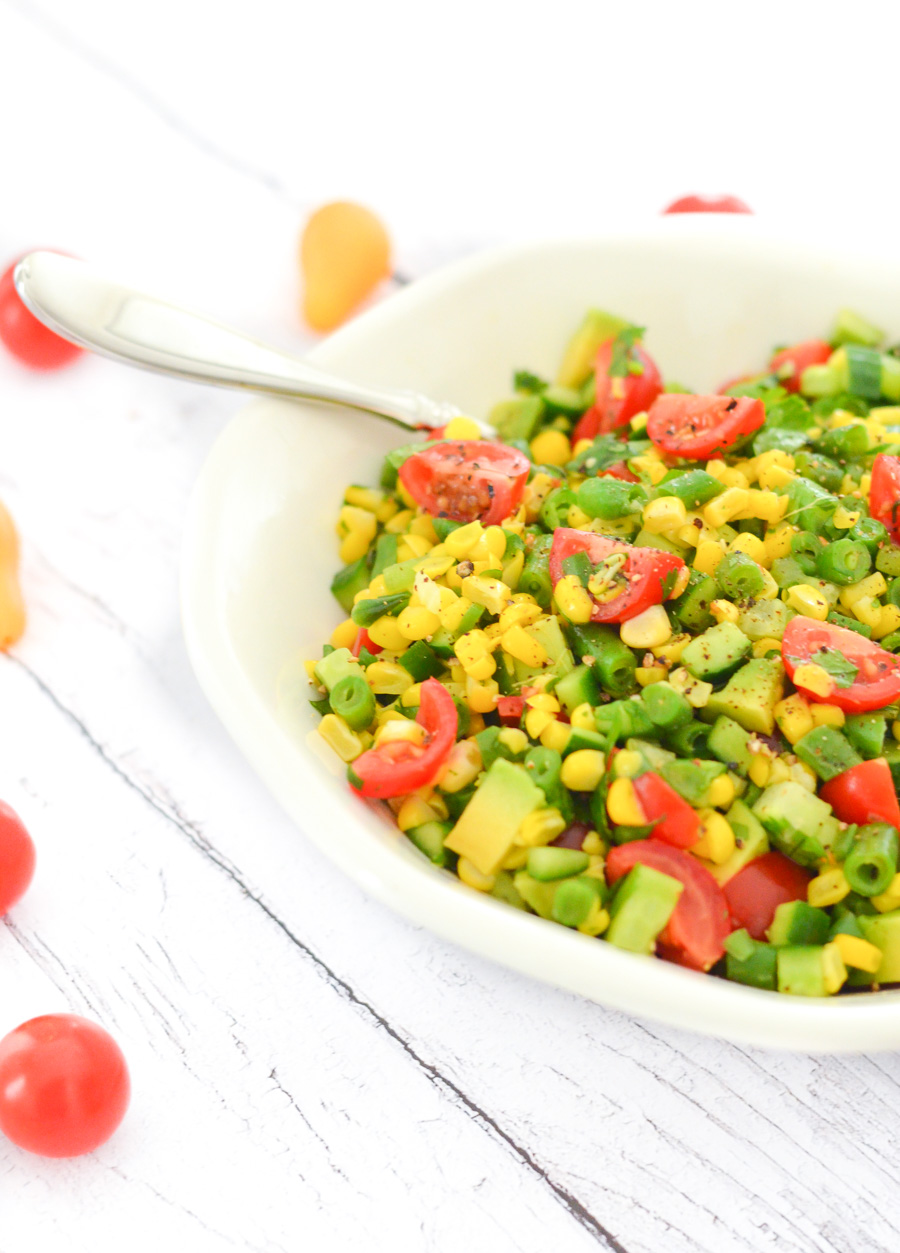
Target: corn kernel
646,675
412,546
721,792
572,600
593,845
412,696
386,633
556,735
515,739
596,922
759,771
551,448
417,624
868,611
623,806
639,422
888,621
724,611
583,770
865,483
895,729
627,764
543,700
834,971
827,888
337,735
462,767
399,522
815,679
519,613
780,771
803,774
473,877
843,518
582,718
472,647
387,678
649,629
671,651
459,542
664,514
752,545
582,446
826,715
859,953
310,668
490,592
889,899
540,827
695,691
767,645
708,555
775,476
726,506
872,585
515,859
717,842
453,614
462,428
806,600
794,717
415,811
344,636
481,696
511,571
524,647
537,721
536,492
654,469
423,527
778,542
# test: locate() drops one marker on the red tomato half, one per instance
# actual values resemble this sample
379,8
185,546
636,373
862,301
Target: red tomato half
16,858
64,1085
755,892
695,934
707,204
617,399
677,823
884,493
864,793
790,363
28,340
697,427
877,680
642,576
398,766
466,479
618,470
363,641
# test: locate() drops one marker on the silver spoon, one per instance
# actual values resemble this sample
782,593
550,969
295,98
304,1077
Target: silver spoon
95,312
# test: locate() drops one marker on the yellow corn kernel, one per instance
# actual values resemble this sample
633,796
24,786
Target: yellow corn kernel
768,506
582,446
369,498
481,696
646,675
583,770
480,669
462,428
412,696
415,811
708,555
356,529
868,611
760,769
490,592
511,571
596,922
888,621
460,542
865,483
543,700
593,845
670,653
827,888
627,764
377,587
417,624
695,691
826,715
873,585
453,614
524,647
726,506
412,546
623,806
310,668
337,735
717,842
472,876
770,588
423,528
572,600
649,629
537,721
775,476
778,542
716,468
540,827
664,514
556,735
889,899
794,717
638,422
859,953
577,518
386,633
519,613
536,492
494,541
833,969
845,518
344,636
551,448
515,739
815,679
805,599
752,545
399,522
651,466
721,792
724,611
462,767
515,859
387,678
761,647
582,718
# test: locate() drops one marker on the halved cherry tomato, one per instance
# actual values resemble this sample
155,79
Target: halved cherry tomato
399,766
618,398
676,823
618,470
877,680
790,363
884,493
695,934
363,641
510,710
466,479
864,793
707,204
16,858
702,426
28,340
766,882
64,1085
643,575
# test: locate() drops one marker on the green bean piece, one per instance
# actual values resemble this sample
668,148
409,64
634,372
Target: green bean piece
692,779
421,661
365,612
348,581
871,863
893,592
847,443
667,708
827,752
806,549
890,643
887,561
851,624
869,531
352,700
739,577
610,498
574,899
400,576
809,506
556,506
844,561
691,740
544,765
821,470
444,526
691,608
613,663
693,489
535,576
579,565
385,553
786,572
866,733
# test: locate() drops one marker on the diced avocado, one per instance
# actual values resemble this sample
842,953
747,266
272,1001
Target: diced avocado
577,688
796,922
882,930
692,606
827,752
429,839
538,896
866,733
582,737
765,619
810,970
485,830
716,652
750,838
750,695
691,779
336,666
642,906
653,754
750,961
518,418
800,824
731,743
581,351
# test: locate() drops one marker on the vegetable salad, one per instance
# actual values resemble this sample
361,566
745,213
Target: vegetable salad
634,667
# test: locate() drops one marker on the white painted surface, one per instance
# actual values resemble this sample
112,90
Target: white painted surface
309,1071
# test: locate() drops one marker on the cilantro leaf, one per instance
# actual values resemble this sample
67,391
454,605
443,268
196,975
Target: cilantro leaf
525,381
841,668
622,360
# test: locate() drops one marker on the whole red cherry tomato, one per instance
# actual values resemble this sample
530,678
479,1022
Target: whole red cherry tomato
64,1085
28,340
16,858
707,204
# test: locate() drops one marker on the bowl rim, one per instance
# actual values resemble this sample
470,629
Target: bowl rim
644,987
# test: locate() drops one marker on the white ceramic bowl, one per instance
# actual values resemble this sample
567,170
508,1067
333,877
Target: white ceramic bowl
260,551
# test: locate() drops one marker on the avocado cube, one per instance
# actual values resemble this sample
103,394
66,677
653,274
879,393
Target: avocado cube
882,930
750,696
642,906
810,970
796,922
486,828
581,351
716,652
729,742
800,823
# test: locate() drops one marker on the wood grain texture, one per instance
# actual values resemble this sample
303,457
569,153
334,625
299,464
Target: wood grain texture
310,1072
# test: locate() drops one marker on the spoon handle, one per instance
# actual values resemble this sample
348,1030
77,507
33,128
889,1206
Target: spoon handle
142,330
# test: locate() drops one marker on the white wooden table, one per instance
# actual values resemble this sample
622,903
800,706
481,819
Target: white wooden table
310,1072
